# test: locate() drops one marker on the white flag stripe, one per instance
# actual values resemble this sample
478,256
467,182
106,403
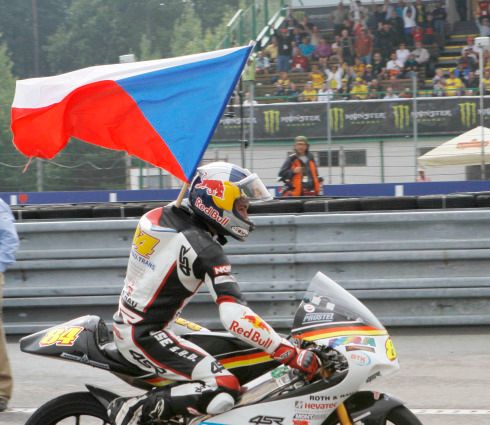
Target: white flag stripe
45,91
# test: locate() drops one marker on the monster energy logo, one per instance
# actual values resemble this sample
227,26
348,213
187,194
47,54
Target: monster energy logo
336,119
467,113
401,114
271,118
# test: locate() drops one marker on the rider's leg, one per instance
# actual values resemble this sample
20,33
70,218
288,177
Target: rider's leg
178,359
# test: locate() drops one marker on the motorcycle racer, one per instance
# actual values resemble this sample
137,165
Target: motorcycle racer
175,250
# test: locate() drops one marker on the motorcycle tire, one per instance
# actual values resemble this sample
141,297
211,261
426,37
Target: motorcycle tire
75,405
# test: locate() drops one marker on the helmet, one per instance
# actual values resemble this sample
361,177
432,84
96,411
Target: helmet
214,193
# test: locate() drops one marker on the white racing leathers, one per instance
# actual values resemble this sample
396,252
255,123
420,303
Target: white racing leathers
172,254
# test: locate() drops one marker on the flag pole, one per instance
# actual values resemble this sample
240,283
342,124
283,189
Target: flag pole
182,193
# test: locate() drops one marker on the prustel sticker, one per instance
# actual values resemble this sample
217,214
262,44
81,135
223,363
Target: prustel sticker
309,308
390,350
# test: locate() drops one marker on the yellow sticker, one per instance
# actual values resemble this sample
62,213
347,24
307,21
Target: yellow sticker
390,350
143,243
61,336
188,324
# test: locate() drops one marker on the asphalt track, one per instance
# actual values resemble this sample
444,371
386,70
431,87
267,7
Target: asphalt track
444,377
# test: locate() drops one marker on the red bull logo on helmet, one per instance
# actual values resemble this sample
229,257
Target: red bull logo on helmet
212,187
256,322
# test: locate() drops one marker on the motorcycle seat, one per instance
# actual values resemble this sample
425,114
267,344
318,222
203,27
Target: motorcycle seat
111,351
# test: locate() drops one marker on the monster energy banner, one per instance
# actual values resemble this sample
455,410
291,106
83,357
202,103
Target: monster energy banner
356,119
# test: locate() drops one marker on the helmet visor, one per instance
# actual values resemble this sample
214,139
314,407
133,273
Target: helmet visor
254,189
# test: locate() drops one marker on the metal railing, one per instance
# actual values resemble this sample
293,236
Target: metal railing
411,268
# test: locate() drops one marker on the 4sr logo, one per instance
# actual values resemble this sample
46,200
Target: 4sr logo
266,420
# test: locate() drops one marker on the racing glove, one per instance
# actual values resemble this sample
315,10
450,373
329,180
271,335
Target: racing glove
304,360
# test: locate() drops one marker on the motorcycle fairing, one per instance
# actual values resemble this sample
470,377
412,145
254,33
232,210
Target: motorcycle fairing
368,407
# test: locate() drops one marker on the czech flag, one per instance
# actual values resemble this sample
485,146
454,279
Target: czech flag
162,111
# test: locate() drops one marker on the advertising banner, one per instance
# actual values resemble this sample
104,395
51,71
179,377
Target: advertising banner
435,116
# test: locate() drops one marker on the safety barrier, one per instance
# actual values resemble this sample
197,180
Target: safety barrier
411,268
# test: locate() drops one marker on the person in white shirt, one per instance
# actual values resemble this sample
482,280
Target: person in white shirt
409,22
334,75
483,27
421,54
402,54
394,64
325,93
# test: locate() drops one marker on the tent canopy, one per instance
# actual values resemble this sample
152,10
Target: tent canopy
465,149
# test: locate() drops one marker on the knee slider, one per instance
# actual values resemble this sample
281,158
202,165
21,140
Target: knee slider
220,403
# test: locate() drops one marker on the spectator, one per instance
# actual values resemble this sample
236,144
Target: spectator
453,85
338,16
483,27
438,89
384,40
393,66
420,13
390,94
334,76
297,35
317,77
284,80
9,242
429,36
462,71
462,9
397,27
374,89
322,51
299,62
315,36
248,75
292,93
306,47
368,75
358,67
421,54
486,81
325,93
360,90
262,63
299,172
409,23
378,65
378,17
471,49
271,50
363,46
440,15
472,84
309,93
482,8
417,34
411,65
284,49
421,177
346,47
402,54
343,91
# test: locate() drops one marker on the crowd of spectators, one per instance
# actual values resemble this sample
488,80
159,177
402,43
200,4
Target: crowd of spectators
371,52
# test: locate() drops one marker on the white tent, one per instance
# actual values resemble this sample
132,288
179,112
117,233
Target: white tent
466,149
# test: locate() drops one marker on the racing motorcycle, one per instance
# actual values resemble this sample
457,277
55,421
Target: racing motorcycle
352,344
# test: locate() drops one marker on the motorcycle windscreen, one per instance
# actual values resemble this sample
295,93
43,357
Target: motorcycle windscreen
326,303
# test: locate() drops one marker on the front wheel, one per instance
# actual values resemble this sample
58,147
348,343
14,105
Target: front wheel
76,408
402,416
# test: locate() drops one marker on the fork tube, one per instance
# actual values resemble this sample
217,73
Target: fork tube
343,415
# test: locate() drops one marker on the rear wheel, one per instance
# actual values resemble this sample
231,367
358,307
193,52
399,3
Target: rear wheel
70,409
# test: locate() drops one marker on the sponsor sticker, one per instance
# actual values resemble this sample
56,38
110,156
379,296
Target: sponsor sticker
390,350
240,230
317,317
309,308
212,187
360,359
222,269
251,334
